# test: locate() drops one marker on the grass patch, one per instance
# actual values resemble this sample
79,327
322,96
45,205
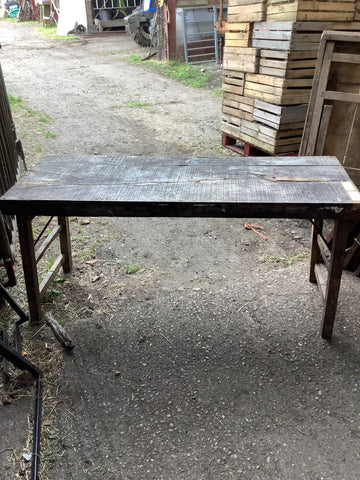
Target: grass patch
15,102
45,118
191,75
80,238
216,92
129,269
48,134
287,261
8,19
54,448
137,104
49,31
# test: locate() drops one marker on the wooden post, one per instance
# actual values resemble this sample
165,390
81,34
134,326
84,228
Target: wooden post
171,6
29,266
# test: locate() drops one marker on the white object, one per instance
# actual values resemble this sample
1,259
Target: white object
72,13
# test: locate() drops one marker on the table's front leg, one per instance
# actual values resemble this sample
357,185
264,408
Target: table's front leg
26,240
341,230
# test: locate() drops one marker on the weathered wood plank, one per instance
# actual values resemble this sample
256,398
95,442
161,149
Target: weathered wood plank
127,186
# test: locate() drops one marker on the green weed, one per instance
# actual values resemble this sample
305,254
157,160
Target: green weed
54,448
129,269
136,104
48,134
45,118
15,102
31,111
80,238
216,92
93,247
49,263
84,255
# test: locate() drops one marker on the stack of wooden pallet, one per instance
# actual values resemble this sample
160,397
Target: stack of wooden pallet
269,61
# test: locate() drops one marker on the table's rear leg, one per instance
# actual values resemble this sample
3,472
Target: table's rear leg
341,230
26,240
65,243
315,250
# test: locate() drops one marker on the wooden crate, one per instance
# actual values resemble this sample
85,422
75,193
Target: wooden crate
276,90
246,11
231,126
357,11
270,128
238,34
238,107
287,64
280,117
347,26
306,10
241,59
233,82
270,140
294,36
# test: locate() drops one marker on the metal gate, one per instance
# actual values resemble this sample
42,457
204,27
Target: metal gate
201,40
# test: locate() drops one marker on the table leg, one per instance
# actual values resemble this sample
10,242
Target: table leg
26,240
341,230
65,243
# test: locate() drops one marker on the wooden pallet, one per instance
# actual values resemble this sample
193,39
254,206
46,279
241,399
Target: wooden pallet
243,148
262,137
246,148
306,10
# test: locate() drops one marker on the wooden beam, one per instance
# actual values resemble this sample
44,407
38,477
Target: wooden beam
171,7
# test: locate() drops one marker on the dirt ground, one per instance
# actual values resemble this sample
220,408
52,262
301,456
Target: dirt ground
203,363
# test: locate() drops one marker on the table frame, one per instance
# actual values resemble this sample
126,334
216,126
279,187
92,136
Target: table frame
329,287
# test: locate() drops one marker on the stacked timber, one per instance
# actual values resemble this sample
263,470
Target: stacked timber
269,62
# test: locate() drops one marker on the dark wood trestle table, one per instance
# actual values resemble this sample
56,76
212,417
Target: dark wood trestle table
314,188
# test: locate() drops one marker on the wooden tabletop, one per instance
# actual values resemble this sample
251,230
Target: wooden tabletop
92,185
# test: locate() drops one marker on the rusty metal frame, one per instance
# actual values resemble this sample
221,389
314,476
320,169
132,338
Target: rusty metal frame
19,361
